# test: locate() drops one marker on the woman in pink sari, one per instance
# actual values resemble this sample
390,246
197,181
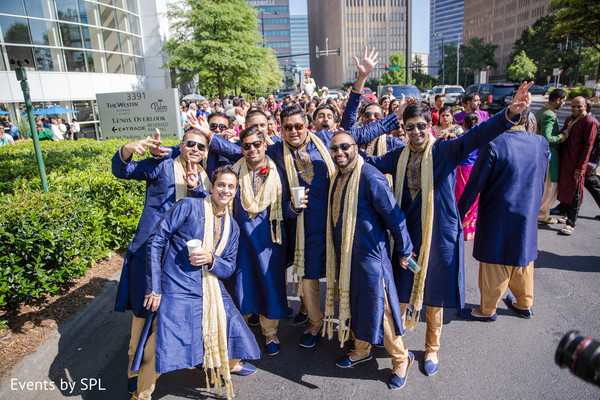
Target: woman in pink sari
462,176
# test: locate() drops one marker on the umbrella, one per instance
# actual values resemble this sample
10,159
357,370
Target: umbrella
57,110
36,111
194,96
4,112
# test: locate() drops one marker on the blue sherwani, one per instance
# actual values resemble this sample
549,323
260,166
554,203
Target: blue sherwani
316,178
258,285
377,212
160,196
509,174
179,342
445,283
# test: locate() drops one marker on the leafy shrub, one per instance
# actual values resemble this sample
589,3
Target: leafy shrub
48,239
580,91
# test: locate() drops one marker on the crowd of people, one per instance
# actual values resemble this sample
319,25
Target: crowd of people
55,129
376,197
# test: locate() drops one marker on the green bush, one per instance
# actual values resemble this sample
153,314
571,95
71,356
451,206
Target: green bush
48,239
579,91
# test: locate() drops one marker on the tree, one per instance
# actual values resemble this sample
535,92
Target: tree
521,68
577,19
547,52
217,41
395,76
475,55
417,64
423,80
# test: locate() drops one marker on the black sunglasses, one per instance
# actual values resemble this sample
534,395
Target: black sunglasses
289,127
344,146
214,126
420,126
370,114
248,146
191,143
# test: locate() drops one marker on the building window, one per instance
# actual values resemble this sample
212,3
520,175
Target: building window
15,30
20,53
67,10
37,8
75,60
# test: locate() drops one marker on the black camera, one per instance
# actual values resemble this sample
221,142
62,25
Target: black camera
581,355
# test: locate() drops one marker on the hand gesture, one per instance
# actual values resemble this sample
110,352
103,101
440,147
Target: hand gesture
200,258
191,177
152,302
139,147
521,100
157,150
200,124
403,104
369,62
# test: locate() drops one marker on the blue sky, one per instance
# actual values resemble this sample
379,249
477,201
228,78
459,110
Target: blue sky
420,21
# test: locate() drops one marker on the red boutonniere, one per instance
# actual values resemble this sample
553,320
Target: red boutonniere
264,171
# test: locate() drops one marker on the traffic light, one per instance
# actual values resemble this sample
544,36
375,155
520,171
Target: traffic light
386,67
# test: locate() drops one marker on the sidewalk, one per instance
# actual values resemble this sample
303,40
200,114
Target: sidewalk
69,361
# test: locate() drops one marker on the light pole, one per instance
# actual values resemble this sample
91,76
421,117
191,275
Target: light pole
443,65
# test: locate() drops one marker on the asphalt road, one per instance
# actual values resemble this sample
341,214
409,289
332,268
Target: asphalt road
511,358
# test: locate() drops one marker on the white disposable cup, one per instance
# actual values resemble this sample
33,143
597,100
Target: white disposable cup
194,245
298,193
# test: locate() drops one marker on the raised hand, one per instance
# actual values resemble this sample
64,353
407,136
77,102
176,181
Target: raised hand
369,62
139,147
157,149
404,102
199,123
521,100
191,177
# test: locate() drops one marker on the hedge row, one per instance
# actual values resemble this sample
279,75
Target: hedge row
48,239
577,91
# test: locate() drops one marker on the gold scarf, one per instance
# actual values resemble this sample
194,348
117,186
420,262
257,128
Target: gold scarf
573,121
180,171
292,175
269,194
416,297
214,318
340,285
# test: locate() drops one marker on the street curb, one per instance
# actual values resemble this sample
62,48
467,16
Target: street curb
60,345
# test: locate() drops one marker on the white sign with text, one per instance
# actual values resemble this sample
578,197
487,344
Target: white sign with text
135,115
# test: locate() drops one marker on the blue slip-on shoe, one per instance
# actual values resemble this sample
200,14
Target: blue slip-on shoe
247,369
272,348
309,340
523,313
132,384
301,318
253,320
431,368
394,381
346,362
467,313
290,312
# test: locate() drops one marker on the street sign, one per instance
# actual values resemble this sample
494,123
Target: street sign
548,78
556,71
135,115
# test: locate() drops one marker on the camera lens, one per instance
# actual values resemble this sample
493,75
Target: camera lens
581,355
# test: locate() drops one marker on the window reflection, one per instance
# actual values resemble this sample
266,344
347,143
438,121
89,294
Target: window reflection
128,65
39,8
89,12
43,32
132,6
114,63
134,24
92,38
125,43
47,59
13,7
111,40
96,61
67,10
137,45
75,60
71,35
139,65
15,29
107,16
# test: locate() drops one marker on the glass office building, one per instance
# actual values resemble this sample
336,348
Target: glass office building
75,49
446,25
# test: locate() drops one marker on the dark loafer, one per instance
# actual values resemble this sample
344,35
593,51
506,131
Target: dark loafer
394,381
132,384
290,312
309,340
467,313
523,313
253,320
346,362
301,318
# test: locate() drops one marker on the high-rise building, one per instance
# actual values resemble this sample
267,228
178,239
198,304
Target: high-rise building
299,27
446,26
501,22
350,25
274,25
